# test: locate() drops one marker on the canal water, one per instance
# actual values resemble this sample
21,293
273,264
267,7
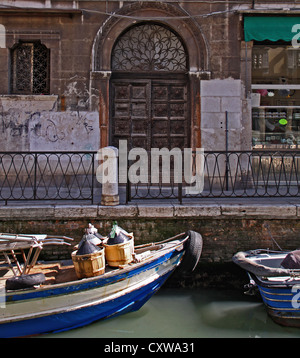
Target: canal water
189,313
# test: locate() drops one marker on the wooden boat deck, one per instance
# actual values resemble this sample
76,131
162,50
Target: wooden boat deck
54,272
63,271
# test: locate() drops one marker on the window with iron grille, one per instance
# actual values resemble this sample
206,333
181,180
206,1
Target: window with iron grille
30,68
147,48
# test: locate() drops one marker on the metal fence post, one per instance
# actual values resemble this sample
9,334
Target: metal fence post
34,179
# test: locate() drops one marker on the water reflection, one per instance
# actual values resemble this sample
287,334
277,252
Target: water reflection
189,313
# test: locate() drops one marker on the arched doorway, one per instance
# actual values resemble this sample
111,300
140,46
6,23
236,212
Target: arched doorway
149,97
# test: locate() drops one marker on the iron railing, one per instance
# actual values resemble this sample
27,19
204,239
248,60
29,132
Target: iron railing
72,176
47,176
233,174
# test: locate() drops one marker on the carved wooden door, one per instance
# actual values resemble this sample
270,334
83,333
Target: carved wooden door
150,113
169,115
131,113
149,104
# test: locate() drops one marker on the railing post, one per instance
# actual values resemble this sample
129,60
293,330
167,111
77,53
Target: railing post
93,174
34,179
226,149
128,191
180,193
109,173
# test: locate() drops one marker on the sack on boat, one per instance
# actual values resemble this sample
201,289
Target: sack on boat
118,235
119,247
292,260
92,230
93,235
86,246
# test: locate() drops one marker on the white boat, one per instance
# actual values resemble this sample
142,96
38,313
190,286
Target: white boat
276,276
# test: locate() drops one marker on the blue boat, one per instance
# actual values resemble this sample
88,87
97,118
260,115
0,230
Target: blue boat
69,302
276,276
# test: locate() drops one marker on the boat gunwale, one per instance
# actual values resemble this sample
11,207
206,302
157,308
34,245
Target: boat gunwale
247,260
263,281
14,296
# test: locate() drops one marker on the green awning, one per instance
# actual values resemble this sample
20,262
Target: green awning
271,28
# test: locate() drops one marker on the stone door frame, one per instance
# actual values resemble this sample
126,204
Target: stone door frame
189,31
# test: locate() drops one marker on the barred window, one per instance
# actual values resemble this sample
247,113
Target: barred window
30,68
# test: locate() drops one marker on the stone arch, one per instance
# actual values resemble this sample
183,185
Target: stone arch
168,15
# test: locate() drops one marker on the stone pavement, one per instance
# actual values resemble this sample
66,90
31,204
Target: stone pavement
259,208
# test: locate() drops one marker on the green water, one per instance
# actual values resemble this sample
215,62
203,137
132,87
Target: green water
189,313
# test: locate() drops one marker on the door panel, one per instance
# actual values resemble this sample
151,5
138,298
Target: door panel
130,113
170,115
150,113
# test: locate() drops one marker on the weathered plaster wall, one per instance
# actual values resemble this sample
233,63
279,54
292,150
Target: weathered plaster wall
217,98
32,123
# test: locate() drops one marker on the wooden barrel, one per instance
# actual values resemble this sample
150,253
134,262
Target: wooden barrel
89,265
119,254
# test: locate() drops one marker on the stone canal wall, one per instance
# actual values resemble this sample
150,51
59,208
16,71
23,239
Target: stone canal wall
225,228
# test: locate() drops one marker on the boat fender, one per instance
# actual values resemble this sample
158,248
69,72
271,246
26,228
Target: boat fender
193,249
24,281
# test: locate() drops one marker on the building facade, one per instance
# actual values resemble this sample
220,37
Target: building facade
81,75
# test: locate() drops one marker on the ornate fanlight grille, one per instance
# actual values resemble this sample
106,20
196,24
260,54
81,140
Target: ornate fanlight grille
30,68
149,47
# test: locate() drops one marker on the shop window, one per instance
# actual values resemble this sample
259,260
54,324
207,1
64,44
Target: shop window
275,95
30,68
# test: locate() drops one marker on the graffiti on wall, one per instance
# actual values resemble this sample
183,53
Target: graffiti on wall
69,130
40,122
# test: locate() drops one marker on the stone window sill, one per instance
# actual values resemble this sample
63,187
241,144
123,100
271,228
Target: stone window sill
33,102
